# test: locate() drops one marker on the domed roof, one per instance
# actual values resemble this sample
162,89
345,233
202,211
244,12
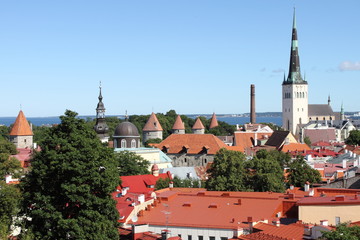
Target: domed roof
126,129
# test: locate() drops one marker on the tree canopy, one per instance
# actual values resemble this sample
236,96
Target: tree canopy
343,232
354,138
178,183
300,173
67,195
227,172
129,163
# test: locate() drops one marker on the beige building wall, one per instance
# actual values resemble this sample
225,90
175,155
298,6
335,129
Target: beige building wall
22,141
313,214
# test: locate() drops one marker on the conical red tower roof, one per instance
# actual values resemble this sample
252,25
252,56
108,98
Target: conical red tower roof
214,122
152,124
21,126
179,124
198,124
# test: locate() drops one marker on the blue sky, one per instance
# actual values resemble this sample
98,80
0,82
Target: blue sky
192,56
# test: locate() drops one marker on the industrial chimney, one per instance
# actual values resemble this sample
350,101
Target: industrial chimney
252,104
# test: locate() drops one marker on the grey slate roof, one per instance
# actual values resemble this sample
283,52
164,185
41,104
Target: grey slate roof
320,110
277,138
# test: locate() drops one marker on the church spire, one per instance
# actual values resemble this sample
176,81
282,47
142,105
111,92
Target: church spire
294,67
101,128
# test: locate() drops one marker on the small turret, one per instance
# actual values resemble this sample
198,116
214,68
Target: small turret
198,127
178,127
152,129
213,122
21,134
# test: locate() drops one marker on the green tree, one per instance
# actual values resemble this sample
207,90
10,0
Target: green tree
9,200
307,141
8,164
300,172
343,232
129,163
354,138
227,172
265,174
282,158
67,195
154,140
4,131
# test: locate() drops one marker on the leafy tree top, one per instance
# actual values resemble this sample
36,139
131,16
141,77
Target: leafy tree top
67,193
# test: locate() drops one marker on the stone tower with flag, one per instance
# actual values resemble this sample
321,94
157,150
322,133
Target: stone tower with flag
294,90
21,134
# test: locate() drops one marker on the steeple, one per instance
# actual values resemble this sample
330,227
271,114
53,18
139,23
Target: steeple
294,67
178,127
342,113
101,128
213,123
329,100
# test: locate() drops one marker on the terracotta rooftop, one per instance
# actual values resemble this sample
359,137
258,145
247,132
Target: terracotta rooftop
194,143
332,200
179,124
246,139
152,124
295,147
285,232
227,210
198,124
214,122
317,135
21,126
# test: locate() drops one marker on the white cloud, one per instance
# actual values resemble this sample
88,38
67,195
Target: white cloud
349,66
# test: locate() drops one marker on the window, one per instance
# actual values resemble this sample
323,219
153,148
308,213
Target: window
185,160
200,238
223,238
337,220
133,143
189,237
123,143
211,238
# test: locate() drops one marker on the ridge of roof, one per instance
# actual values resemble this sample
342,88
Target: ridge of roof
179,124
21,126
198,124
214,122
152,124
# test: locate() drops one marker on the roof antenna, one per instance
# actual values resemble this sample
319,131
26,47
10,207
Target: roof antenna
126,116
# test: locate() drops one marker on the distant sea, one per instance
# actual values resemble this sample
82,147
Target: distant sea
39,121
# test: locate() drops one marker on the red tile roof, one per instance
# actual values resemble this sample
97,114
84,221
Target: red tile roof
142,183
284,232
179,124
152,124
246,139
194,143
212,209
295,147
198,124
317,135
214,122
337,200
21,126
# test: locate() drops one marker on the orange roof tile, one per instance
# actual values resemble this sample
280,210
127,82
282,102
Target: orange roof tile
214,122
21,126
246,139
235,148
195,142
268,231
295,147
152,124
179,124
198,124
226,210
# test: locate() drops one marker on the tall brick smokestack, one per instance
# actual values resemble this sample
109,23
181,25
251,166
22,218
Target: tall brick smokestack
252,104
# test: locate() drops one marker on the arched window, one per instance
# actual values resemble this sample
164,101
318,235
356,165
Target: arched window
133,143
288,125
299,120
123,143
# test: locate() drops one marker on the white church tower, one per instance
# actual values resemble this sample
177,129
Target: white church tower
294,91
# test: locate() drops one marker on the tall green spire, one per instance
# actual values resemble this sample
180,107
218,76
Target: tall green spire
294,67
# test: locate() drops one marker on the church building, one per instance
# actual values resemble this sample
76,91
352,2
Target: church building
101,128
295,108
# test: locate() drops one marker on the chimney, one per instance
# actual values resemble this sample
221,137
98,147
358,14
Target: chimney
239,201
252,104
307,187
344,164
164,234
171,184
276,222
238,232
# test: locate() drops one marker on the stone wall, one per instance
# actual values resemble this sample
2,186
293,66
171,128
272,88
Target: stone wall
190,160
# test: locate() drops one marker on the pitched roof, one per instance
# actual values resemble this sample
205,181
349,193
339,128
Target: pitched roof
179,124
152,124
198,124
295,147
277,138
21,126
142,183
214,122
320,110
320,134
247,139
268,231
195,143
